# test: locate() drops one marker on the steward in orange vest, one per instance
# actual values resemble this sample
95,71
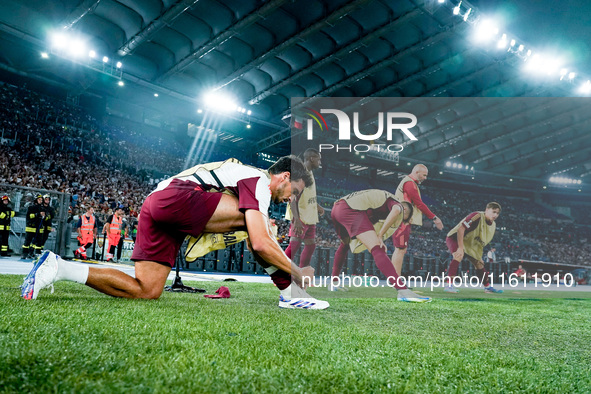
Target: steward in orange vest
113,230
87,230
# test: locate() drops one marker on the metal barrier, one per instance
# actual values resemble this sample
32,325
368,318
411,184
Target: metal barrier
238,259
21,197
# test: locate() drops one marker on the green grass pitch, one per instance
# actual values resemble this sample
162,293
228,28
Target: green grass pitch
78,340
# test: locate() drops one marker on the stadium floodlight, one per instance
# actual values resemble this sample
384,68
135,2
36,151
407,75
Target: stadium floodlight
120,83
441,1
457,9
460,166
563,73
44,55
510,179
472,168
119,65
448,163
529,52
521,48
551,65
155,94
502,43
440,172
249,112
105,59
467,14
586,87
248,126
485,31
455,165
59,40
571,75
199,110
77,48
534,63
92,54
220,102
512,43
564,180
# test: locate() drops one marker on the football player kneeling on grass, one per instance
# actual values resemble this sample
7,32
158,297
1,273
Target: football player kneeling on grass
213,198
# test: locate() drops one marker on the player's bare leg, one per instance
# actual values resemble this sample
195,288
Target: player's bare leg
50,268
149,280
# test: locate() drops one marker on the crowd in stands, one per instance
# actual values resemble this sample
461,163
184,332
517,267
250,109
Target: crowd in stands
48,144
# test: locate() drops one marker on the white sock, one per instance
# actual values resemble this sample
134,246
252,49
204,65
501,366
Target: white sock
74,272
286,293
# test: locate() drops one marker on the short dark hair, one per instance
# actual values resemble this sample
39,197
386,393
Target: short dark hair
294,166
494,205
311,152
407,206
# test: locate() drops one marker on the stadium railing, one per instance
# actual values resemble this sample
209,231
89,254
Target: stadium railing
21,197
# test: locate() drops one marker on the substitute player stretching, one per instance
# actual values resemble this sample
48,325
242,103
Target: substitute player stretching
368,217
305,211
469,238
408,190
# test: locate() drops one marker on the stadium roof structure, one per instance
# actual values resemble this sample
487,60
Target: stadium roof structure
263,53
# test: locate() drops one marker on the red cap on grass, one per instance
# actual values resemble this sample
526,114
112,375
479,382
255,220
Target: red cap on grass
222,292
